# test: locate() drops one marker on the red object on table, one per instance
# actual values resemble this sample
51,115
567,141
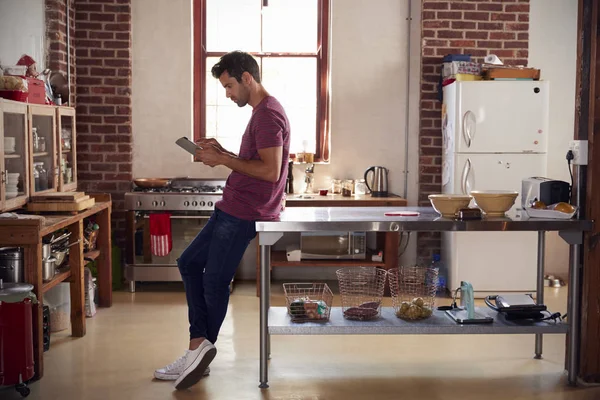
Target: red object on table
16,343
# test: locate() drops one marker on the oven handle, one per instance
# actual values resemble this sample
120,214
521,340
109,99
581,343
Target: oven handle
185,216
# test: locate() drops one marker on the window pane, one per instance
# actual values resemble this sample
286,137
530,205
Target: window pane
293,82
290,26
225,121
233,25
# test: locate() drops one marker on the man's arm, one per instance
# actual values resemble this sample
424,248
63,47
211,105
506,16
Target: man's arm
267,168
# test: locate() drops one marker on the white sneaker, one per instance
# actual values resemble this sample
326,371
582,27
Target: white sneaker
196,363
172,371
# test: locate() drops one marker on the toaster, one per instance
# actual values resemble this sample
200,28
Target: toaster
546,190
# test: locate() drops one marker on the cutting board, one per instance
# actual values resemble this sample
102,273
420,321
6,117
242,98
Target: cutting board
66,206
58,196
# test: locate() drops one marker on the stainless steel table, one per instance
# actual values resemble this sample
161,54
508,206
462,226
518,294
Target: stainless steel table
373,219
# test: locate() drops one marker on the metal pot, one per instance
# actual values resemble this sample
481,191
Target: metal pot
151,183
46,250
48,269
11,265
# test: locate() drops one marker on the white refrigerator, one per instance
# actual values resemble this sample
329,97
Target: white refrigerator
495,133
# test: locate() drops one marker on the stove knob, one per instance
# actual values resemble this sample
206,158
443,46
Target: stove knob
202,204
162,203
210,203
154,204
194,203
186,203
139,204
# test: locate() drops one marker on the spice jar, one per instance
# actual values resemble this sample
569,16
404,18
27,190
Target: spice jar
347,187
336,186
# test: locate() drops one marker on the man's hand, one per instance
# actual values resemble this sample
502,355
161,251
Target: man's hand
210,155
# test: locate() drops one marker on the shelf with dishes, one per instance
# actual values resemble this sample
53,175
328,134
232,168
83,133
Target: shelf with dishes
41,154
11,155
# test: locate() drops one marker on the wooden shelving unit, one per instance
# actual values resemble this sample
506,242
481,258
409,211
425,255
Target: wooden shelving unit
12,156
28,233
58,278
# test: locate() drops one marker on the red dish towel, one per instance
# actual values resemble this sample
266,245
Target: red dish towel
161,241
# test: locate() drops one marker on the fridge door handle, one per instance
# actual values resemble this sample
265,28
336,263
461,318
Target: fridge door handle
468,123
465,177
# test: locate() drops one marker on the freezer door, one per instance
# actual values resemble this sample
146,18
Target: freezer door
496,117
466,172
494,262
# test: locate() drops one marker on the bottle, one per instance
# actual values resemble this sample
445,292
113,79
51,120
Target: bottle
43,176
436,262
36,178
290,178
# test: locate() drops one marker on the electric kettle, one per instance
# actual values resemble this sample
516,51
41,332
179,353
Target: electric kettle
378,185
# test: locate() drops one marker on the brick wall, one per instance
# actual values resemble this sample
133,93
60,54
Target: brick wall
476,27
56,36
104,138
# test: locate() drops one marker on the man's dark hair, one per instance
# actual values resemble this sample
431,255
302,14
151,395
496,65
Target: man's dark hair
236,63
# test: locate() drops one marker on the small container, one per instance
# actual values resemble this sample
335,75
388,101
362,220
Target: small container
360,187
336,186
48,269
41,144
323,192
42,176
347,187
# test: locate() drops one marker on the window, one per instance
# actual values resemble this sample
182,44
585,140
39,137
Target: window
289,39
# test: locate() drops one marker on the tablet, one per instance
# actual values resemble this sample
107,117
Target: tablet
187,145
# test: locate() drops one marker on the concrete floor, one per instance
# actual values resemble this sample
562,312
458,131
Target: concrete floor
148,329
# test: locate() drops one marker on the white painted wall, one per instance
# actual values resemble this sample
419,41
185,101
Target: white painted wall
22,31
368,95
553,48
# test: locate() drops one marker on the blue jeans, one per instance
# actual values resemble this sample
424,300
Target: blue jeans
207,267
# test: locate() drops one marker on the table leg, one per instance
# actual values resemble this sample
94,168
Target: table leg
573,315
265,294
77,286
104,261
539,339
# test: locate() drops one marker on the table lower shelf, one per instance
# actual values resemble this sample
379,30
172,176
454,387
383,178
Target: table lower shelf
439,323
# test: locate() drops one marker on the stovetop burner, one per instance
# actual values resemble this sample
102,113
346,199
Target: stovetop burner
181,195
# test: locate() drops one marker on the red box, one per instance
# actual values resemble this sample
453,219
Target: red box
35,94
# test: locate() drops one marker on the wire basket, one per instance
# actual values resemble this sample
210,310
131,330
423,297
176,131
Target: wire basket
413,291
308,301
362,291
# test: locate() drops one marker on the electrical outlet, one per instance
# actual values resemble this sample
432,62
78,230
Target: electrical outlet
580,152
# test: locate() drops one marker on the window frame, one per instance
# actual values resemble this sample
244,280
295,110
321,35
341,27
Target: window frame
200,69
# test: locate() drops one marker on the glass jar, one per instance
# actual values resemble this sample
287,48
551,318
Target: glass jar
41,144
36,178
347,187
42,176
336,186
360,187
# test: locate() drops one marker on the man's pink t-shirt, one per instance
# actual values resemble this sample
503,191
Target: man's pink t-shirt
254,199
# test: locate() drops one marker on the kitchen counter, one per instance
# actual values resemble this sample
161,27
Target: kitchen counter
386,241
337,200
276,321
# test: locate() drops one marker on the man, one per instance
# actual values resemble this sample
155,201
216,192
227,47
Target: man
253,192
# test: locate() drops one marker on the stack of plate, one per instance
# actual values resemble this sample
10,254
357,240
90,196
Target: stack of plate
12,183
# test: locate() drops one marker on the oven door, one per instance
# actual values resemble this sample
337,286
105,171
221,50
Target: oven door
151,268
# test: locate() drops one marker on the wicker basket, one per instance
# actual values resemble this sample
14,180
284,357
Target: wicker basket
413,291
361,289
308,301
